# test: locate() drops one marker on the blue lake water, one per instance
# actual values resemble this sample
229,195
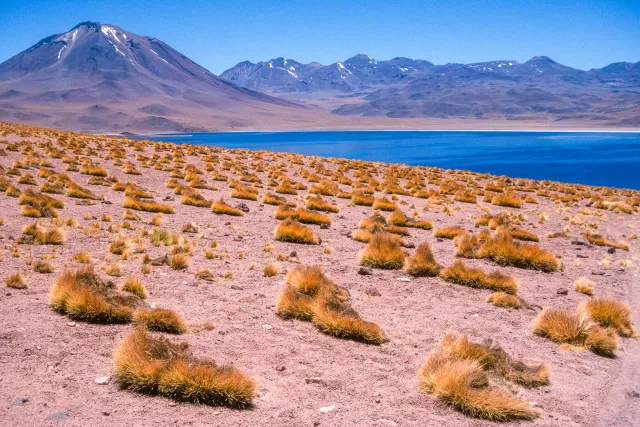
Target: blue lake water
607,158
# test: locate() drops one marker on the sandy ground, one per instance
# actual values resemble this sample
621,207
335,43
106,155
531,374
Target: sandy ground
298,369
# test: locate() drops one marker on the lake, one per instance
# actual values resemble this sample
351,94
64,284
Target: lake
596,158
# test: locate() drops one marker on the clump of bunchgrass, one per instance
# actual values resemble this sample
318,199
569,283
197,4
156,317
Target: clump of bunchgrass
157,366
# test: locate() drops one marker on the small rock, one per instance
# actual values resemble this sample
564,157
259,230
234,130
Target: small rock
581,242
58,417
630,393
106,413
581,256
71,324
324,226
243,207
315,380
562,291
410,245
173,404
20,401
365,271
236,287
293,254
611,250
168,198
373,292
267,327
326,409
102,380
403,279
106,202
280,368
598,273
387,422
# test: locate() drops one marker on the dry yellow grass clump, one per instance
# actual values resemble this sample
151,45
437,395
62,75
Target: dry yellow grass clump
35,234
309,295
15,281
460,274
599,240
512,200
222,208
503,250
134,286
160,320
578,330
271,270
422,263
146,206
83,295
502,299
292,231
383,251
584,286
609,312
317,203
448,232
302,215
456,372
153,365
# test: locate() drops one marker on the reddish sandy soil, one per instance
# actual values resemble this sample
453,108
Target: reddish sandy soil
53,363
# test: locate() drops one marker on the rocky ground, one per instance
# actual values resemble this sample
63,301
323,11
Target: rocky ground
56,371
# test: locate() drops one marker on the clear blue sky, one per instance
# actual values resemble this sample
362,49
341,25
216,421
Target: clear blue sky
218,34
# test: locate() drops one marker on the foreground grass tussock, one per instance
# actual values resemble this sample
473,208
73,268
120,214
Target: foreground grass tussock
83,295
147,206
147,364
383,251
577,330
608,312
309,295
456,372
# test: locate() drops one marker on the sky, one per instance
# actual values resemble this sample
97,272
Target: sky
218,34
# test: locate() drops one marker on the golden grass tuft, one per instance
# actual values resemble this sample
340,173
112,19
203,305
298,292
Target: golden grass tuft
134,286
147,206
43,267
609,312
456,372
584,286
382,251
155,365
512,200
83,295
179,261
271,270
502,250
222,208
448,232
599,240
160,320
309,295
15,281
302,215
565,327
422,263
292,231
460,274
317,203
502,299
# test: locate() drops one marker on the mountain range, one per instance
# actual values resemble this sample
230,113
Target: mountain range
402,87
101,78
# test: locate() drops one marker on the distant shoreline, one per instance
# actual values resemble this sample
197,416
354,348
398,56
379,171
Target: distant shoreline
183,134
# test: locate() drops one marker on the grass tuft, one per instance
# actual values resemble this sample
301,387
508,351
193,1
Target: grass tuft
460,274
383,251
157,366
